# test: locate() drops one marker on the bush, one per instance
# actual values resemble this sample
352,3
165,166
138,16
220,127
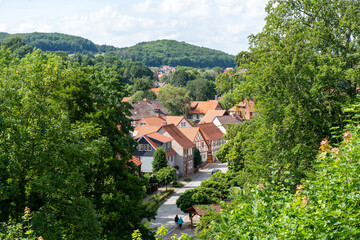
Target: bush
187,179
177,184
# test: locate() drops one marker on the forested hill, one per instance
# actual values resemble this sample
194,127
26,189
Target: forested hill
155,53
174,53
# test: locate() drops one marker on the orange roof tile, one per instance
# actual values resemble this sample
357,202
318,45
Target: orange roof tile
210,131
155,90
201,107
189,132
178,136
135,160
170,152
125,99
143,130
174,119
159,137
211,114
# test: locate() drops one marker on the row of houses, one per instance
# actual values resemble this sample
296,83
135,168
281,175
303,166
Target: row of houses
153,128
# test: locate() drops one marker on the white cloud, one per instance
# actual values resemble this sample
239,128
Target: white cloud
229,7
3,26
142,6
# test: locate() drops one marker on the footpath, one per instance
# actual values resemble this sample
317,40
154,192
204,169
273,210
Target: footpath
168,210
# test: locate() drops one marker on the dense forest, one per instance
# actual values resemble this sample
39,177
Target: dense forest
65,149
155,54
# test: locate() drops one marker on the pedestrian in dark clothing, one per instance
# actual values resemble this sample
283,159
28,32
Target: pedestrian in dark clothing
176,221
180,221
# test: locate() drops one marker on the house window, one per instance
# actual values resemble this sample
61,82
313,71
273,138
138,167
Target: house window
197,116
147,147
140,147
182,124
142,124
190,116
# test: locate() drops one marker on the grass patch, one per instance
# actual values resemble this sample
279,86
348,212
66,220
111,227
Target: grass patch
156,200
177,184
187,179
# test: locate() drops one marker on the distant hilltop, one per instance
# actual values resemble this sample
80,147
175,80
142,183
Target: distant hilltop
154,53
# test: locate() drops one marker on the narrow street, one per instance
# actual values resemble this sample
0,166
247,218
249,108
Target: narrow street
168,210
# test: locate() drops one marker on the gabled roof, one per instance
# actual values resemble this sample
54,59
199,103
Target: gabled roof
159,137
135,160
148,108
202,107
228,119
245,104
210,131
175,120
211,114
151,121
170,152
125,99
155,90
189,132
143,130
178,136
151,142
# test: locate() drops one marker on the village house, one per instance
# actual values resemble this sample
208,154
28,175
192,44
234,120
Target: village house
178,121
244,109
147,145
198,109
213,137
222,122
184,158
146,108
211,114
195,136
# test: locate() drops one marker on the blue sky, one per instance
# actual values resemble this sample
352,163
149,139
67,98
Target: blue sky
219,24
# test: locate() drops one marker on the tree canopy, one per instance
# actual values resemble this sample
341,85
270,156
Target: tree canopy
58,145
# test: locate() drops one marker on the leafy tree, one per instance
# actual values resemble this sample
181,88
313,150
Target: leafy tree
176,100
142,84
228,100
160,160
58,148
140,95
302,68
321,207
201,89
197,157
166,174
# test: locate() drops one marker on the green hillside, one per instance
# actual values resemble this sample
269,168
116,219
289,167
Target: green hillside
174,53
155,53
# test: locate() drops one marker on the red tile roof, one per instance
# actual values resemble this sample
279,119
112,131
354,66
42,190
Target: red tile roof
141,131
211,114
201,107
189,132
178,136
159,137
135,160
170,152
210,131
125,99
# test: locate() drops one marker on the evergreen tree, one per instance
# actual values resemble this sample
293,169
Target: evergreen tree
159,160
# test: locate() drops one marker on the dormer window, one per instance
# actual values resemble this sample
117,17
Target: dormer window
142,124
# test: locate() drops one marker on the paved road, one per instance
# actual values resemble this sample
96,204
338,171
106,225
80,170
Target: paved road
167,211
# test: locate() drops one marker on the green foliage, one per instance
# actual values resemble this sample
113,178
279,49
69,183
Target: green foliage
201,89
197,157
140,95
166,175
301,69
182,75
175,99
187,179
173,53
58,146
156,53
177,184
160,160
324,207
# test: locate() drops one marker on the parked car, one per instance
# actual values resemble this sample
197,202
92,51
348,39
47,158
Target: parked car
215,171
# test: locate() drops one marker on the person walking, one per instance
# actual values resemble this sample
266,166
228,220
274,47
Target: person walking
180,222
177,221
